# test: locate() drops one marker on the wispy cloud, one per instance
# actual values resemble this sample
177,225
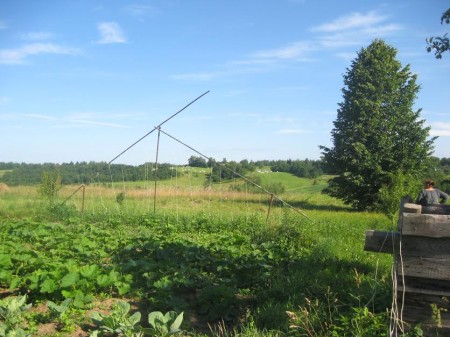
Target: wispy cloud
296,50
110,32
140,12
354,29
87,119
39,116
337,35
441,129
88,122
351,21
37,36
19,55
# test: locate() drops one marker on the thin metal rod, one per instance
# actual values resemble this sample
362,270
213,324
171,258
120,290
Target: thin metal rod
156,170
241,176
158,126
270,207
70,196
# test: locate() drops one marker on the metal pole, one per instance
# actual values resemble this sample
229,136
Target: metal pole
156,170
157,127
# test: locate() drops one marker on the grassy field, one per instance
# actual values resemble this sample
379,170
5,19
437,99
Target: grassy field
231,260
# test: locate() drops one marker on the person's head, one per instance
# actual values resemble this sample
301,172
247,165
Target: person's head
428,183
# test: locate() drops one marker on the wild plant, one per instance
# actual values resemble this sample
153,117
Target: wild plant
118,322
11,316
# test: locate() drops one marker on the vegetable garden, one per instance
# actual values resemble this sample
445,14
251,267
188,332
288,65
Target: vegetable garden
204,263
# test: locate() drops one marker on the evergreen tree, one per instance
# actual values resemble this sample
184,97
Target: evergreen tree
377,135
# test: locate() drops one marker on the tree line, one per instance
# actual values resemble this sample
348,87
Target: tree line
83,172
101,172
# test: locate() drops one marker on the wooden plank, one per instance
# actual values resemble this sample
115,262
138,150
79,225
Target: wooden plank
436,209
423,286
389,242
429,268
424,247
412,208
381,241
429,225
406,207
430,331
432,310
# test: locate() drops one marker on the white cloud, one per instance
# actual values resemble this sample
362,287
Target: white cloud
293,51
37,36
347,31
18,55
38,116
140,12
81,121
441,129
110,32
351,21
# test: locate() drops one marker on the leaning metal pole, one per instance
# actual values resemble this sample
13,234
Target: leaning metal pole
157,127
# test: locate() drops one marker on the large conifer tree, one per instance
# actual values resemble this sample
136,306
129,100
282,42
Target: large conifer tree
377,135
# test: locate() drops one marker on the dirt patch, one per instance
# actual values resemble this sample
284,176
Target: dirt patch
4,187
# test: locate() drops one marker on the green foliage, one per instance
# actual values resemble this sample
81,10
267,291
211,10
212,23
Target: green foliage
194,161
50,185
218,302
377,132
300,168
85,173
440,44
212,268
11,316
60,309
120,198
398,186
122,323
119,322
164,325
226,171
276,188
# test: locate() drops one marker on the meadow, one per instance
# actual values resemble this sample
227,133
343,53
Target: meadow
219,259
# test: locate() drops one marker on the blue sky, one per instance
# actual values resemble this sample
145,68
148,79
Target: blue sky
83,80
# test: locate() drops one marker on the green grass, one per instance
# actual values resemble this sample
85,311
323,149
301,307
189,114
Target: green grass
223,257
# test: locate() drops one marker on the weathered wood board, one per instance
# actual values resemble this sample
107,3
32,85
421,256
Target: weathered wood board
421,251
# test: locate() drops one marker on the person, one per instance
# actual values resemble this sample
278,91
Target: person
430,195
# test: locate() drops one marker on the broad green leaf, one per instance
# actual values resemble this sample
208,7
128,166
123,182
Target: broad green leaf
122,287
175,327
5,260
90,271
68,293
48,286
5,276
104,280
69,280
155,317
15,283
123,306
135,318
